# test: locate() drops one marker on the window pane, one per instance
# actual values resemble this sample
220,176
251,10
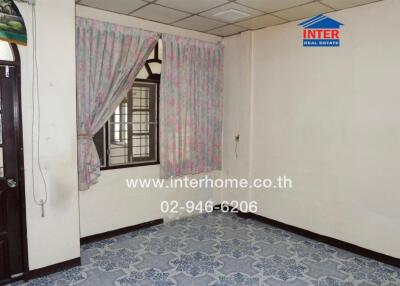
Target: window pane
119,124
141,97
6,53
133,129
141,149
155,68
118,155
143,74
141,122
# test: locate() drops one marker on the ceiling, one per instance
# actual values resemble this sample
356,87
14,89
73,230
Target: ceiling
223,17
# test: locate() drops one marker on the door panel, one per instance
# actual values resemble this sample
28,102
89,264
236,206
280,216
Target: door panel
11,261
3,255
3,213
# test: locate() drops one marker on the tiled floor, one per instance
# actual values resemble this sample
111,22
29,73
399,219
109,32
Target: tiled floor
219,250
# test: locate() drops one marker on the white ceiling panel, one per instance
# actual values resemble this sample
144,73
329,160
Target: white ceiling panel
118,6
303,11
261,22
192,6
160,14
251,12
228,30
272,5
223,17
343,4
199,24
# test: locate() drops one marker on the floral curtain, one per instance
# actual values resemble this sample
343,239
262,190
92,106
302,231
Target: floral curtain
190,107
108,59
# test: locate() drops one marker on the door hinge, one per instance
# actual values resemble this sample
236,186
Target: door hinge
7,71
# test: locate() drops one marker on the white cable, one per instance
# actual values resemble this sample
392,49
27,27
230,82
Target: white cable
36,99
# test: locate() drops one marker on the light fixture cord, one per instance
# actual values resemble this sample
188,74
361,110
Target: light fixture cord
36,99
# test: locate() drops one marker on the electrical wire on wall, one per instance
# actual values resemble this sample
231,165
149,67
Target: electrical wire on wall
36,117
237,141
237,135
238,127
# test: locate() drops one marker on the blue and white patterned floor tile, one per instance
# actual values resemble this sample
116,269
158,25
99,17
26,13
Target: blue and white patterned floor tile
219,250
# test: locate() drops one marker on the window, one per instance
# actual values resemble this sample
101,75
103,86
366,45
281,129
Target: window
130,137
6,55
6,52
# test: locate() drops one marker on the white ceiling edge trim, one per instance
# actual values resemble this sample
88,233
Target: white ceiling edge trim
130,21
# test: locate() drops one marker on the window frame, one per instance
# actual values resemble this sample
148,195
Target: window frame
106,136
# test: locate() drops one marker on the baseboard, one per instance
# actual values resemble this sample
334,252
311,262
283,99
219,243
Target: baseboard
32,274
120,231
325,239
77,261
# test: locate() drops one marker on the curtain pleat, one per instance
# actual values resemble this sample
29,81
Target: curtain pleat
190,107
109,57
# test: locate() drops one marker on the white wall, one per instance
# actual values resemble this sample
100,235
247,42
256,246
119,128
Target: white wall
237,105
329,119
54,238
110,204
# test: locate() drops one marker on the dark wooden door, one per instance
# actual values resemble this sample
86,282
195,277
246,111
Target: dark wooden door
11,198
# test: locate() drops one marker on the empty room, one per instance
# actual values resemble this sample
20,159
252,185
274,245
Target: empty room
199,142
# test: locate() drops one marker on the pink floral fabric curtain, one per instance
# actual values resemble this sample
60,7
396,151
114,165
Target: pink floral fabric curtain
190,107
109,57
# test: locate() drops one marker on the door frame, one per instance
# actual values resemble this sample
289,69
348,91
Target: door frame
20,155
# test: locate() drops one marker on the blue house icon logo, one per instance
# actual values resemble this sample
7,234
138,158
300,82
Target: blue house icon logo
321,31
